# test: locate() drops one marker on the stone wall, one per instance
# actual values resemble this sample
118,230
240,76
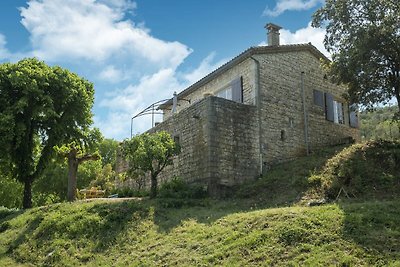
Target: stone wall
234,146
245,69
219,143
281,106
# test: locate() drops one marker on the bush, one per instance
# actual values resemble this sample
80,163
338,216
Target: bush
130,192
4,212
179,189
366,169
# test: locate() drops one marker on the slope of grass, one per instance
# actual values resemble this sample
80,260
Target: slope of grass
247,230
369,170
365,171
144,233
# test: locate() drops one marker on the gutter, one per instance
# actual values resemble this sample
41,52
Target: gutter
258,105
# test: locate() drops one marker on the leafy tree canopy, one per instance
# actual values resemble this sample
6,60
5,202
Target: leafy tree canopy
108,150
40,107
364,39
150,153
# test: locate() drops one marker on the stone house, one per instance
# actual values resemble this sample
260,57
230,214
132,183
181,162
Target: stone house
267,105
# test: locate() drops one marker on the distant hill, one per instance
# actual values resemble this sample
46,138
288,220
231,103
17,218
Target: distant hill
267,222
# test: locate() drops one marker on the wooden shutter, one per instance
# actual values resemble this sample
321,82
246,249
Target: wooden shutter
329,107
237,90
318,98
353,117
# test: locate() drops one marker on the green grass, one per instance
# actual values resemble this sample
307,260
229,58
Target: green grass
263,224
143,233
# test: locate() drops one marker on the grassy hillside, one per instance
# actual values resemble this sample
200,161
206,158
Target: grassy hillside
264,224
144,233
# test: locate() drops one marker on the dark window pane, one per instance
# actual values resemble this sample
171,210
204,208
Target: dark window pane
329,107
318,98
237,90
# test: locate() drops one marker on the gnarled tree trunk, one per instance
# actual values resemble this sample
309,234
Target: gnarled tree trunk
27,200
72,172
153,186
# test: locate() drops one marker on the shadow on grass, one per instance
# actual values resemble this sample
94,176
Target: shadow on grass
375,227
287,183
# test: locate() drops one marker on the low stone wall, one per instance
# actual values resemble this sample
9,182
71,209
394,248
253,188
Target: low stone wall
219,142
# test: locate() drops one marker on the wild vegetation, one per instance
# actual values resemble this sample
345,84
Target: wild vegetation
379,124
267,222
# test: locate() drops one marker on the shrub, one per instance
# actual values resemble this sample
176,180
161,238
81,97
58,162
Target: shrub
366,169
179,189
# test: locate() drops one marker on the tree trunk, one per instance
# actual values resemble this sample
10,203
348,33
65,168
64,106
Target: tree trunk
27,200
72,171
153,186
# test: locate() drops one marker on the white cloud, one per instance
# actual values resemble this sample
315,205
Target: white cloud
4,53
111,74
98,34
287,5
95,31
305,35
124,104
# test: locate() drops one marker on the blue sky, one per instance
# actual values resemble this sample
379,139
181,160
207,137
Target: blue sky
138,52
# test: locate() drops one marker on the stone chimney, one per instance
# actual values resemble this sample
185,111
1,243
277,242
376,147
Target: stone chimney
273,34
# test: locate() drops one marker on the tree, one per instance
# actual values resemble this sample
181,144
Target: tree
54,179
77,152
150,153
364,40
40,107
108,150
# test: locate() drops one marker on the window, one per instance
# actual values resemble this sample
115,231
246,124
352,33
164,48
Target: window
318,98
353,116
177,140
333,109
234,91
338,114
225,93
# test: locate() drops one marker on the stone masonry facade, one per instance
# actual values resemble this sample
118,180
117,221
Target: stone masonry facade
225,143
219,143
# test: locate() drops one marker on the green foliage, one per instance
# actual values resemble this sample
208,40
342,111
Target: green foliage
286,183
130,192
366,170
105,179
53,183
379,124
10,192
144,233
108,150
76,152
149,153
177,188
363,37
40,107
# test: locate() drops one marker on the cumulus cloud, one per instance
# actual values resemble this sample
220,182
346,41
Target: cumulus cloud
94,30
111,74
288,5
98,34
305,35
315,36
